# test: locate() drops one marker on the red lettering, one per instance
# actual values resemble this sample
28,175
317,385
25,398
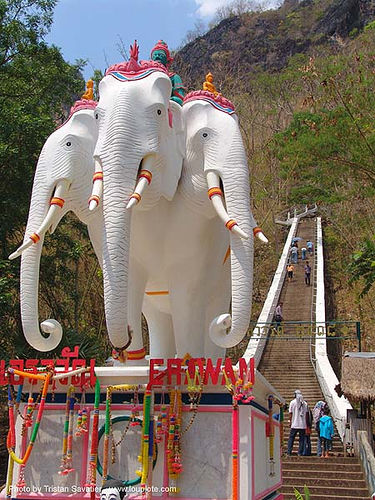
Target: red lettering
174,368
17,364
76,379
212,372
92,378
30,365
156,376
3,379
247,371
228,369
67,353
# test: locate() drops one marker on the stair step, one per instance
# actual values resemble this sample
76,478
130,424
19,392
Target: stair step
331,460
337,492
330,474
327,482
325,496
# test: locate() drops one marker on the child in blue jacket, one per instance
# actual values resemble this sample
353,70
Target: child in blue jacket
326,432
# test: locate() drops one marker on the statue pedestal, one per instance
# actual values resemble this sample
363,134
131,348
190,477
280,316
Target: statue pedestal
206,447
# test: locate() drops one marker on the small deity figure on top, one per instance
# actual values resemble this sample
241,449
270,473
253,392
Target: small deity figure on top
89,94
209,86
160,53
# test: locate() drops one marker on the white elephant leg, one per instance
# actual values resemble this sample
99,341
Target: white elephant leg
219,301
137,283
188,319
160,327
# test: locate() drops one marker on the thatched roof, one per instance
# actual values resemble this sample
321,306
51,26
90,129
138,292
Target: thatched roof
358,376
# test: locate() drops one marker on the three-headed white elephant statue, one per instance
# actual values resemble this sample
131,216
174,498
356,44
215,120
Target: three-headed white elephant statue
209,245
62,182
140,144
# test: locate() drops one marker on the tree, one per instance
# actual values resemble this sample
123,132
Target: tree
37,88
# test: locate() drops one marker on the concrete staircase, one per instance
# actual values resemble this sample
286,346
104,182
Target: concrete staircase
286,365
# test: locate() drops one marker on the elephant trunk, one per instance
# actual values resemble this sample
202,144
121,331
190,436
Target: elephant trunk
118,186
30,264
237,197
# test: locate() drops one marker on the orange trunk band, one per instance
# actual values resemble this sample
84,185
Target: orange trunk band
230,224
140,354
98,176
136,196
57,201
162,292
35,237
146,174
214,191
256,230
226,256
94,197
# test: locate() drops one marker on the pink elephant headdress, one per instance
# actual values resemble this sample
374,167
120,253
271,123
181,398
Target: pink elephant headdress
220,102
133,66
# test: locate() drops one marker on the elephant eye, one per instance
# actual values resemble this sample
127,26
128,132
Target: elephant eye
159,111
205,134
68,143
96,115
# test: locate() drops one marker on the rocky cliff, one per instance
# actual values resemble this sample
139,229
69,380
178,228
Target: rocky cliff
267,40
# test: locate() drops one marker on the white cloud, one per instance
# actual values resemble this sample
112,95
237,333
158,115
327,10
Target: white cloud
207,8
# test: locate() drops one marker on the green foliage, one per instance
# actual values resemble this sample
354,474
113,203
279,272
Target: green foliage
370,26
362,265
37,88
299,496
329,147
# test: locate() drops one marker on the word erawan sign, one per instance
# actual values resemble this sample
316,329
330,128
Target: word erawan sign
67,363
181,372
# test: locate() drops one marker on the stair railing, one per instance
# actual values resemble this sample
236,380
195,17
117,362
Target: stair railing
366,455
324,371
313,302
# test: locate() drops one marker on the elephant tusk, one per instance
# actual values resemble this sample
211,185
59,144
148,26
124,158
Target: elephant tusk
56,204
97,188
259,233
216,196
144,179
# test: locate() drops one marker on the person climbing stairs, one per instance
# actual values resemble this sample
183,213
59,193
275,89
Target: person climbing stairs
287,366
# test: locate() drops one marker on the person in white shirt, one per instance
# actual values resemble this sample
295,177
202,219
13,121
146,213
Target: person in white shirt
297,420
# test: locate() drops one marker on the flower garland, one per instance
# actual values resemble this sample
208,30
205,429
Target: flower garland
195,390
161,421
67,451
94,443
107,425
270,434
11,441
174,438
147,435
240,391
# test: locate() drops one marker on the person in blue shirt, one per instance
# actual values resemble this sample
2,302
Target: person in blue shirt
309,246
326,432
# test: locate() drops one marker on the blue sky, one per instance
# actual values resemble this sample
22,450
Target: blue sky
90,29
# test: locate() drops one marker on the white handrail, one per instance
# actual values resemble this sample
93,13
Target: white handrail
324,371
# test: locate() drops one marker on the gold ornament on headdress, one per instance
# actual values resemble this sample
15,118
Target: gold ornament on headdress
209,86
89,94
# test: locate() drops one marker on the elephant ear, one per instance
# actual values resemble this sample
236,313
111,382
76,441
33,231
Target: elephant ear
83,124
172,150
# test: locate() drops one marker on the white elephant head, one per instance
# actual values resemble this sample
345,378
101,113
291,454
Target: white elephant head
138,146
62,182
216,165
